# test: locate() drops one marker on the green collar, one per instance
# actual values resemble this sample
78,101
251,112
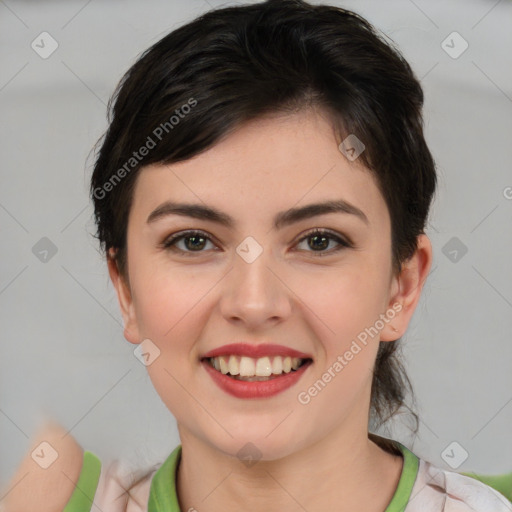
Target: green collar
163,497
162,494
86,486
404,489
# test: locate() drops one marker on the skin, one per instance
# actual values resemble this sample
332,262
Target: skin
188,302
46,489
315,456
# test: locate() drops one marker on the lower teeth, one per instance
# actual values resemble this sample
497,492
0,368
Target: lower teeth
255,378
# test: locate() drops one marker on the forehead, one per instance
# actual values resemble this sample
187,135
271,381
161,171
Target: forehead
265,166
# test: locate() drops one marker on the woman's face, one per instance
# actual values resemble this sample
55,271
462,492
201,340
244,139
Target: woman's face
257,284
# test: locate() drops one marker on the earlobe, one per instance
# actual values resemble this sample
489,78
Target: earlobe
408,286
131,332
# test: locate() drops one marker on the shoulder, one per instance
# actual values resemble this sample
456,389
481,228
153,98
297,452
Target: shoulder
112,487
117,487
441,490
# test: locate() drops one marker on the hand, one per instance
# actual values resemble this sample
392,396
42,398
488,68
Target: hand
46,477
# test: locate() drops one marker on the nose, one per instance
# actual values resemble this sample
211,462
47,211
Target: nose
255,293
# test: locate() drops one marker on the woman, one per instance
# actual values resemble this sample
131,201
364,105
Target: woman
261,196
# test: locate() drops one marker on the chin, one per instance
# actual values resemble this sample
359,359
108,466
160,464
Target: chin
258,447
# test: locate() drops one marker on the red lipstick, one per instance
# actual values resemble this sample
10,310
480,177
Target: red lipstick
255,389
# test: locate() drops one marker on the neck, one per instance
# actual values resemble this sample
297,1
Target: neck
338,472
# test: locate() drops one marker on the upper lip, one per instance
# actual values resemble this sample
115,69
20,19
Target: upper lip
255,351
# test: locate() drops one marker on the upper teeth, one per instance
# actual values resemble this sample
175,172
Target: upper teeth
261,367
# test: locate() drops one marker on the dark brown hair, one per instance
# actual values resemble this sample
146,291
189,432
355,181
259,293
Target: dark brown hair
202,81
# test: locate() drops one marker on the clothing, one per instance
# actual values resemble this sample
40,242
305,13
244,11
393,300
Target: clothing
422,487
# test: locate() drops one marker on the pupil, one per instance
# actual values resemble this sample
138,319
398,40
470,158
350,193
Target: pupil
317,237
194,244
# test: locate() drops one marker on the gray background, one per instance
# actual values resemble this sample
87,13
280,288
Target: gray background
63,352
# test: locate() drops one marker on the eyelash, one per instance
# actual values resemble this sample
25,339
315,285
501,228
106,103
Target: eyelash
170,242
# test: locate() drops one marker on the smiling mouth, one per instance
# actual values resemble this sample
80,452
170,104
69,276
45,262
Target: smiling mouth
251,369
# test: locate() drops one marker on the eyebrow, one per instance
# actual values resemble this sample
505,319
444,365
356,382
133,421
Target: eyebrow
282,219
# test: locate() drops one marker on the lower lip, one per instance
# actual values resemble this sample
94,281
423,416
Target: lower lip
261,389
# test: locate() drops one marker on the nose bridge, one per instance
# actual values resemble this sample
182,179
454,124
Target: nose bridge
254,294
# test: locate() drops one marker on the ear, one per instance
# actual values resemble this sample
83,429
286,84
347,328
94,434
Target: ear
406,289
131,330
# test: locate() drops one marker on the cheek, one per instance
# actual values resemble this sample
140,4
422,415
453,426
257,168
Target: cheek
168,303
348,308
343,303
170,309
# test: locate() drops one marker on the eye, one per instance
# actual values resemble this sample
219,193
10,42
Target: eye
193,242
320,240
